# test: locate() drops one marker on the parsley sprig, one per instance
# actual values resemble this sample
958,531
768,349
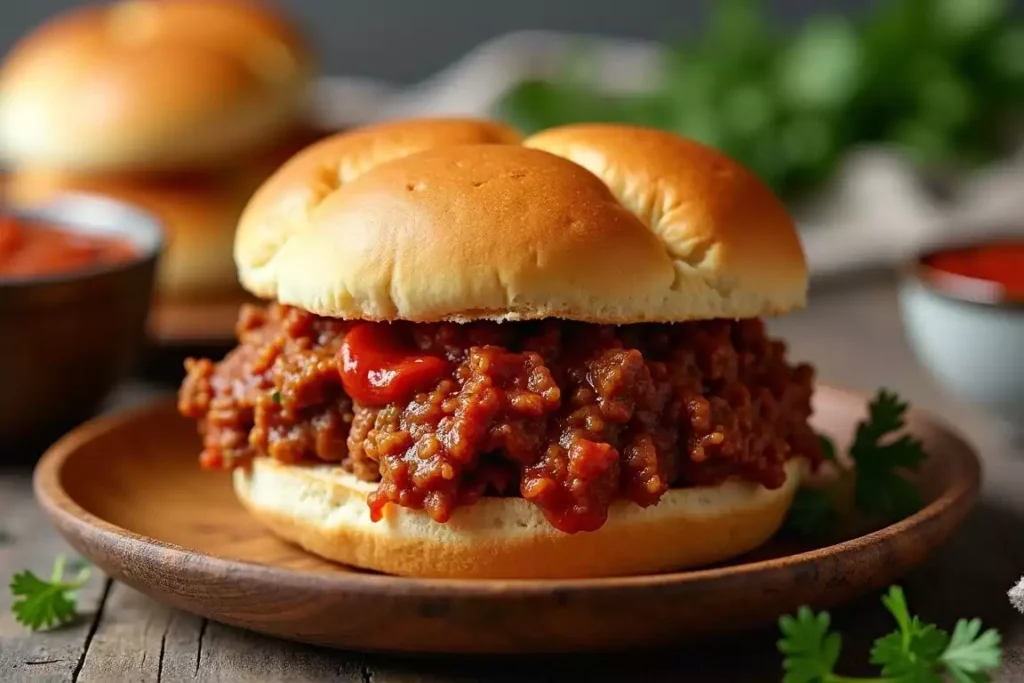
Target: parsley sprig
872,484
916,652
44,604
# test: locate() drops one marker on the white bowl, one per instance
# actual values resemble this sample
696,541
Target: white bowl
969,337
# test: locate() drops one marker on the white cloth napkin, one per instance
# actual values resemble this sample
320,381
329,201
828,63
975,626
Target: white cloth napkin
875,213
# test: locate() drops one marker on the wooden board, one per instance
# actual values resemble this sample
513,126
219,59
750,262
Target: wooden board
125,491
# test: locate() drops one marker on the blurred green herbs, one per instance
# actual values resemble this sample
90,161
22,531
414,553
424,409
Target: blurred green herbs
942,80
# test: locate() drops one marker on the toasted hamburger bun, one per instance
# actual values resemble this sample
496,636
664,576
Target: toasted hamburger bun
323,509
199,215
456,220
148,84
461,220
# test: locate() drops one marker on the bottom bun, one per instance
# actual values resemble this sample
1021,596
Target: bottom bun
323,509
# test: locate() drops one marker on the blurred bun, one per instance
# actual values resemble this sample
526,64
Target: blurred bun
144,84
199,215
456,220
323,509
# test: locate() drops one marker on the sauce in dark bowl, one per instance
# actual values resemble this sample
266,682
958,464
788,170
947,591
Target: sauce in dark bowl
75,282
32,248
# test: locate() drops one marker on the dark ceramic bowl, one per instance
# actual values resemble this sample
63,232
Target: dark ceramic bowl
66,340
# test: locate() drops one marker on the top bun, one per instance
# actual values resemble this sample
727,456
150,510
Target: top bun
459,220
144,84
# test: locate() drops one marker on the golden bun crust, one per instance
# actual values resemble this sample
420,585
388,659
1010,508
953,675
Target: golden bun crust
606,224
199,217
284,203
323,509
143,84
716,219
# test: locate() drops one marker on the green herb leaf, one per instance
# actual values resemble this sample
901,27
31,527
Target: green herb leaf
896,602
911,657
959,21
44,604
880,456
880,489
822,68
970,656
811,650
916,652
940,80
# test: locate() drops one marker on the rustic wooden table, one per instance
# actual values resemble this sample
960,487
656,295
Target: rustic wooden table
853,335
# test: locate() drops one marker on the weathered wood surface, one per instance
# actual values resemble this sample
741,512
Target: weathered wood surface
852,335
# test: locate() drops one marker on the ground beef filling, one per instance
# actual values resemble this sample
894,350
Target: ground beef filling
570,416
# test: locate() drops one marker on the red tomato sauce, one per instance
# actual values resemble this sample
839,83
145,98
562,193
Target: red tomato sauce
1000,263
30,248
377,368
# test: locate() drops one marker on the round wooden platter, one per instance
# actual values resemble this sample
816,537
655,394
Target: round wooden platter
210,322
126,492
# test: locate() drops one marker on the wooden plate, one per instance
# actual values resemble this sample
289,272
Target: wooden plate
211,322
125,491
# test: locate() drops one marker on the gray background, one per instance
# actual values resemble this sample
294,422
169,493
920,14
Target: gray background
405,40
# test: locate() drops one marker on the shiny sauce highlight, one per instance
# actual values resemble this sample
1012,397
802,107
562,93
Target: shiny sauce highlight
379,367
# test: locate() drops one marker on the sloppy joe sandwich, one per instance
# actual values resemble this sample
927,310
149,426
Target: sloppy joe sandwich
487,356
183,108
144,84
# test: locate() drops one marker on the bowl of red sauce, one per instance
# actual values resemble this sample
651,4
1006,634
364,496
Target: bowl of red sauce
963,309
75,283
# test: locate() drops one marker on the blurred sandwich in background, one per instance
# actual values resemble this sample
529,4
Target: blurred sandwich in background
182,108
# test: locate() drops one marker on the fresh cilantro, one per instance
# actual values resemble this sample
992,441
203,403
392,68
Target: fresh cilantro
276,397
971,654
43,604
911,651
874,478
811,651
932,79
880,490
916,652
